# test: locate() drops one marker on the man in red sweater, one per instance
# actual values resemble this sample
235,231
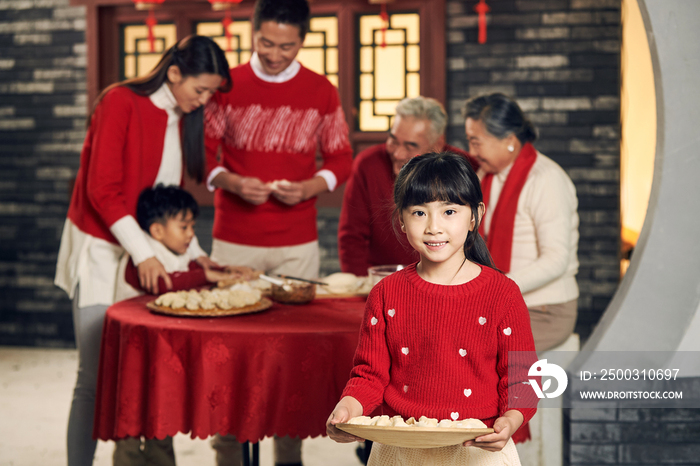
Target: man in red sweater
269,129
366,234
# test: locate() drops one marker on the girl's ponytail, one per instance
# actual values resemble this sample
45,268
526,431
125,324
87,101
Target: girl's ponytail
478,252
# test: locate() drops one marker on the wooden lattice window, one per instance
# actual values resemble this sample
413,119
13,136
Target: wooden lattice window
136,56
241,44
389,67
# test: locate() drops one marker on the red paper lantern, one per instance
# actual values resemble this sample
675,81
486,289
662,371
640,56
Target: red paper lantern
219,5
384,16
151,21
482,8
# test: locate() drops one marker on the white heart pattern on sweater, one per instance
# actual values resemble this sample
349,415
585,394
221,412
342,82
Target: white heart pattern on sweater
467,392
391,312
507,331
405,388
454,416
404,350
462,352
374,321
482,320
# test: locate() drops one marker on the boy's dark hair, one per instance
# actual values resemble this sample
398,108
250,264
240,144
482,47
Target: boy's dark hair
162,203
293,12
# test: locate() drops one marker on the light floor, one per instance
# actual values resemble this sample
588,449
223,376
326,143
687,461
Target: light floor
35,391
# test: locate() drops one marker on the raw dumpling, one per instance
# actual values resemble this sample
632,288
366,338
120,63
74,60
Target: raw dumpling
427,422
471,424
178,302
397,421
340,283
360,420
166,299
383,421
207,304
223,303
446,423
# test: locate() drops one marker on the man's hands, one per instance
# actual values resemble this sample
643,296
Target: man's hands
504,427
254,191
149,272
249,188
346,409
289,192
292,193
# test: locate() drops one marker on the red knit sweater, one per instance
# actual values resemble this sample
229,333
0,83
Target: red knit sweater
366,236
434,350
193,278
272,131
121,156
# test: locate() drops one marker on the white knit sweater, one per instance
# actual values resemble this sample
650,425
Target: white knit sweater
544,258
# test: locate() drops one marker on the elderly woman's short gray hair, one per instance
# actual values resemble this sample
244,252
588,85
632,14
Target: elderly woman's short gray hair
427,109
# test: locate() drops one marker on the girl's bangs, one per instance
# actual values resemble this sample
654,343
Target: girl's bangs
434,183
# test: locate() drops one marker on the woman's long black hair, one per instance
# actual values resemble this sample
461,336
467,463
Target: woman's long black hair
193,55
444,177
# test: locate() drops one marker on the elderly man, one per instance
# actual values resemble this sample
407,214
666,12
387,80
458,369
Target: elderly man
366,234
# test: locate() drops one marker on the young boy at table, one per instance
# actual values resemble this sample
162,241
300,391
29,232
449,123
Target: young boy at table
167,214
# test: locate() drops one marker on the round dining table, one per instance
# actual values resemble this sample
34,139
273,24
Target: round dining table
276,372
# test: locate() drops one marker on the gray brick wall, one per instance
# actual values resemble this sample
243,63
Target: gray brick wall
42,117
561,60
625,436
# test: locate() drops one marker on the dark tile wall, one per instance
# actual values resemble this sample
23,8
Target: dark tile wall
626,436
42,119
561,60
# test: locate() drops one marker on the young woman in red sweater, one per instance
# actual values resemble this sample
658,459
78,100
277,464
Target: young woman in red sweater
141,133
436,335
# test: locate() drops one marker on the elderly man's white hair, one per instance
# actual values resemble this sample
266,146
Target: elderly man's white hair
425,108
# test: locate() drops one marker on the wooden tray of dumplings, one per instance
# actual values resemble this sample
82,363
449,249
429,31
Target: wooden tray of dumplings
414,437
261,305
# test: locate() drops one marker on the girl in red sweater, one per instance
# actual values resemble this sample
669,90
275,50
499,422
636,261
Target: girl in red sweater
436,335
142,132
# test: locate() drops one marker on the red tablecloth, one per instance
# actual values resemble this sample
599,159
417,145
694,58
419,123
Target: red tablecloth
280,371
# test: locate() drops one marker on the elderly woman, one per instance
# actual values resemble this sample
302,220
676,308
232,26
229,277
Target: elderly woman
531,223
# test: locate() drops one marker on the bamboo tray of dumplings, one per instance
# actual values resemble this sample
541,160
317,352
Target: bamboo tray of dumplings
261,305
414,437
